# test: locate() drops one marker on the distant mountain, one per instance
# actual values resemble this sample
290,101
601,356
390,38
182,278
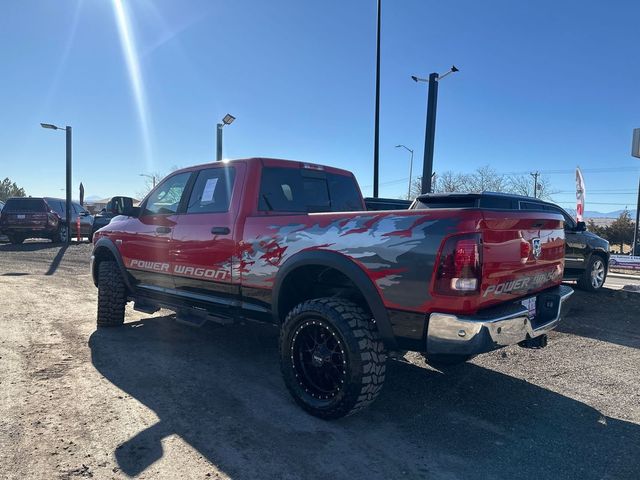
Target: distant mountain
594,214
92,198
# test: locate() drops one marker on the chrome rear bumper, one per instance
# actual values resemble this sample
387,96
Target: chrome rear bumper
496,327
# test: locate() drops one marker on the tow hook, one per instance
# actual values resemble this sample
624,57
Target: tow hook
535,343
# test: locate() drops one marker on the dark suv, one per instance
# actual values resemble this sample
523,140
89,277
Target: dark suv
30,217
586,254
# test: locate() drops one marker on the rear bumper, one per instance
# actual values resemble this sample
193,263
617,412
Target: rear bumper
27,229
496,327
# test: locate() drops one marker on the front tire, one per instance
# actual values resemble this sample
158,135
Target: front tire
112,296
331,357
594,275
61,235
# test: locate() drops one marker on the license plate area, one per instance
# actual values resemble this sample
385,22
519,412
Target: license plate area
530,305
20,216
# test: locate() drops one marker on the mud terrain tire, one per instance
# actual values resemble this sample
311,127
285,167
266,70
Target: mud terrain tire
111,295
331,357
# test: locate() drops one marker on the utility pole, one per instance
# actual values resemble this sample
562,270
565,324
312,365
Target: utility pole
535,183
376,127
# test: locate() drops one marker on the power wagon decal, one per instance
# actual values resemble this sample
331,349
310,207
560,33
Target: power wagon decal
179,269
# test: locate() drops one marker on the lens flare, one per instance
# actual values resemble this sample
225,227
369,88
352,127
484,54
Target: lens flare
130,51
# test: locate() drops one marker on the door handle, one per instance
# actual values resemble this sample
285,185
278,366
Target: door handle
163,230
220,230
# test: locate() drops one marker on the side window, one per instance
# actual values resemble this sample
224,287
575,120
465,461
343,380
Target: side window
344,194
281,190
569,224
56,206
212,191
302,190
165,199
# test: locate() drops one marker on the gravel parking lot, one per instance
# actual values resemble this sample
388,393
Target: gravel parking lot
157,399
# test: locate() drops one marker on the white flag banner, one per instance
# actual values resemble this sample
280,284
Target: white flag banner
580,195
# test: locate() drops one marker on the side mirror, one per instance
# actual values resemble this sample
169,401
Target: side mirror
131,211
581,227
119,205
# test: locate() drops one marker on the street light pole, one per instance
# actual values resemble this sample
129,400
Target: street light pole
430,133
68,186
227,120
376,128
430,128
410,169
152,177
67,130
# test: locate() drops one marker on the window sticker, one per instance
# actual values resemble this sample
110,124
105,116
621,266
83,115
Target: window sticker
209,190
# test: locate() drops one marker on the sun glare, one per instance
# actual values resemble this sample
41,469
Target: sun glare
130,51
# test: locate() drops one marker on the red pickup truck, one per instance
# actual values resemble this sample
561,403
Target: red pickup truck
291,243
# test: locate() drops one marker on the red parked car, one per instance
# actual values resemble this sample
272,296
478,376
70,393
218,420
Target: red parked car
31,217
291,243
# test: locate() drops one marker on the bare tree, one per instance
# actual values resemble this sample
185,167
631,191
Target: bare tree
157,178
485,179
523,185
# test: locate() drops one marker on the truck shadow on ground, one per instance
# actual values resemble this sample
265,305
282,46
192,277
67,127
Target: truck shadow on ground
608,315
220,390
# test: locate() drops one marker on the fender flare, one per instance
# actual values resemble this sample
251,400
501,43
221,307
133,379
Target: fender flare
350,270
106,244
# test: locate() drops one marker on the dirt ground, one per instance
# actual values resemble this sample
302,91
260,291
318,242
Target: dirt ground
157,399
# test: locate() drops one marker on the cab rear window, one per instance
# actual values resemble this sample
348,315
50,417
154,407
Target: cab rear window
25,205
306,191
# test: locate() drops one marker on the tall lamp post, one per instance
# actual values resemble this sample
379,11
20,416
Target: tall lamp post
376,123
430,131
67,130
227,120
635,151
410,168
152,177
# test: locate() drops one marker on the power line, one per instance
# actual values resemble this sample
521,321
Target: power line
583,170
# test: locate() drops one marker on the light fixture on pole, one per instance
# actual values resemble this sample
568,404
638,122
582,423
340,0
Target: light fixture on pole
67,130
227,120
152,177
430,130
410,169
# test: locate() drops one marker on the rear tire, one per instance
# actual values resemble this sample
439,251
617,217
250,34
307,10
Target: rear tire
112,296
15,239
594,275
331,357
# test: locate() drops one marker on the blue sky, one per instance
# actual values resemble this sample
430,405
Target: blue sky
543,85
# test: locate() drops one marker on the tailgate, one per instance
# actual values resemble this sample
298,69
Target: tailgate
523,253
25,219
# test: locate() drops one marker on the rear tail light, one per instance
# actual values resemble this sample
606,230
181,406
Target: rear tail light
459,270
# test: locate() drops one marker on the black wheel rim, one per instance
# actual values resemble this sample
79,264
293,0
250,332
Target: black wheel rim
319,359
